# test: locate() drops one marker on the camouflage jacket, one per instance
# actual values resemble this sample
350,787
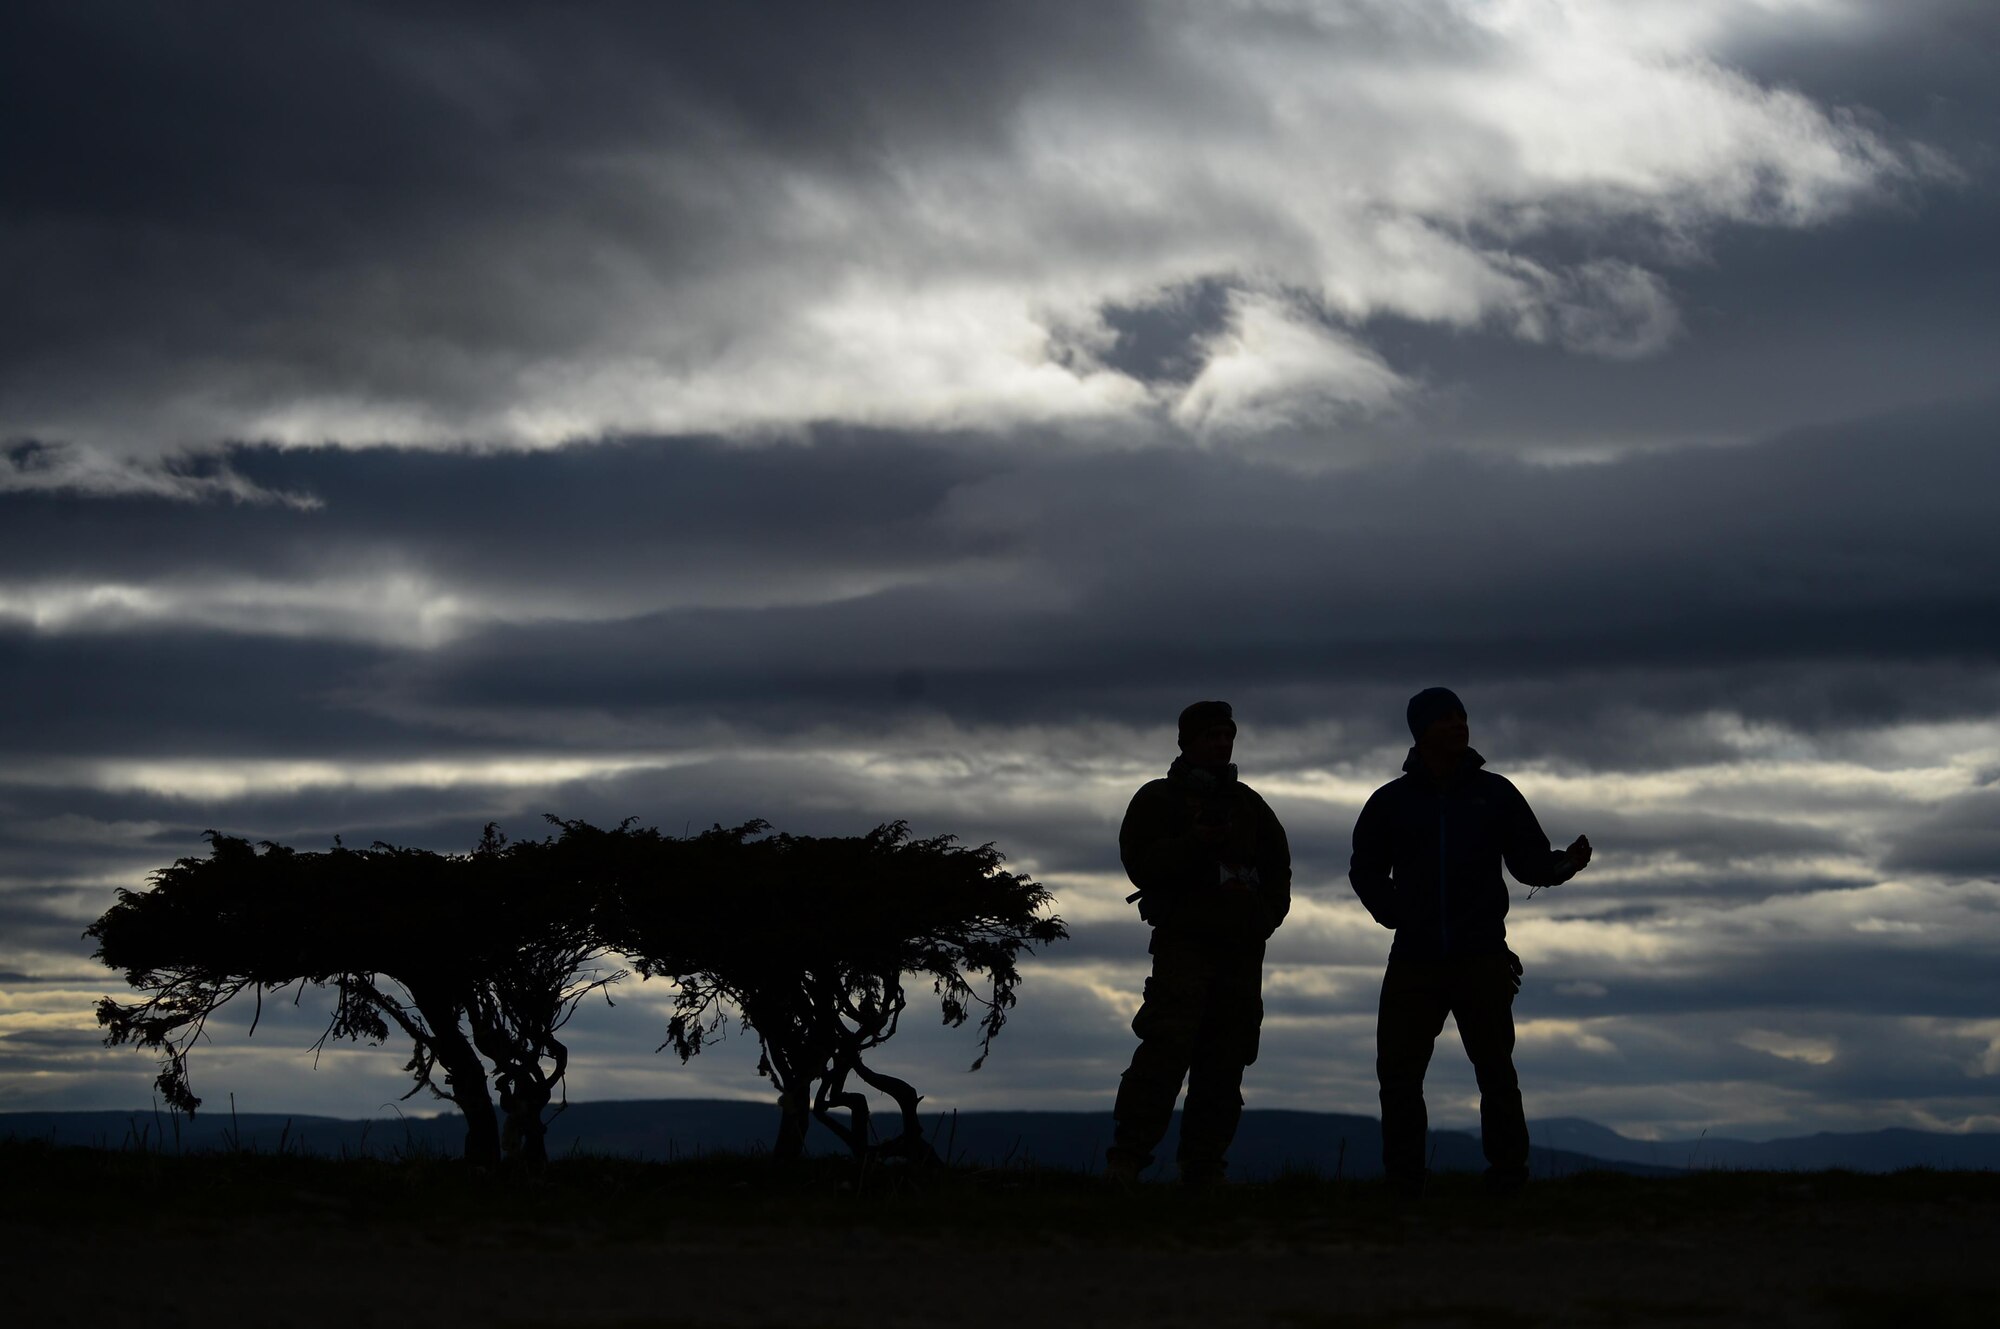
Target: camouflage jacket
1181,870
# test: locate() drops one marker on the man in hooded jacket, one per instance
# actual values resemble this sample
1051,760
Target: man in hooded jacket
1214,875
1427,856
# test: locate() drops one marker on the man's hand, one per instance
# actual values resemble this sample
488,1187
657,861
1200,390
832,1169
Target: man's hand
1514,970
1579,853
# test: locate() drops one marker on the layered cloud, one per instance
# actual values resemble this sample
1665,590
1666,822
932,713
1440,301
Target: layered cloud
416,418
412,225
1782,741
1010,582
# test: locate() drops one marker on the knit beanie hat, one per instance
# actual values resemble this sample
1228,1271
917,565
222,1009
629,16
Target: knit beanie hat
1204,715
1431,705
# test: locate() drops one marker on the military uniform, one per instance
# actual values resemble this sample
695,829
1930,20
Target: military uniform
1214,876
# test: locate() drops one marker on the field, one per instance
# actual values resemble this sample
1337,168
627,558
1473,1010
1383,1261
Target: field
104,1237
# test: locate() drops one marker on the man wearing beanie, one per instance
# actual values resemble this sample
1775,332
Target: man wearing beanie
1215,879
1427,856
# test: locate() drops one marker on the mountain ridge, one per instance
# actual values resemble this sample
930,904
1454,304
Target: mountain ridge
1270,1143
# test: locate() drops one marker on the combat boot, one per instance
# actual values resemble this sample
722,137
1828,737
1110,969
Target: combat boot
1122,1166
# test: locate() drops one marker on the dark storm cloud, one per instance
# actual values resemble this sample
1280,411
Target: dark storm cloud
441,223
1804,582
1845,1075
44,1049
176,692
1961,840
56,832
1707,839
1922,63
373,88
1882,309
1931,975
420,222
673,515
77,849
1692,883
50,919
1829,578
1869,315
391,199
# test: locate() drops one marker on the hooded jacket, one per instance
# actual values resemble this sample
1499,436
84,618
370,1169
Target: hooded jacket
1178,870
1427,859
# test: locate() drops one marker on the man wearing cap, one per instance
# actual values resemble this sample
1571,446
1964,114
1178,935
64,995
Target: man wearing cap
1215,879
1427,856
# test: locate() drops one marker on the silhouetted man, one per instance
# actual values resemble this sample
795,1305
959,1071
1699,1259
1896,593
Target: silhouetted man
1215,879
1427,855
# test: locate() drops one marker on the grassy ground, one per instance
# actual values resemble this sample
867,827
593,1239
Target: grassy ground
107,1237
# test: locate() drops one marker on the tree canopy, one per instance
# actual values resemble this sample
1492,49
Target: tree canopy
809,940
481,959
485,953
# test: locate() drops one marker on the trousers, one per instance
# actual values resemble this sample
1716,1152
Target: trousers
1416,996
1199,1022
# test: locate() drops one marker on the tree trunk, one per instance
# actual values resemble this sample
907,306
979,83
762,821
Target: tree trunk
524,1090
482,1128
911,1143
526,1136
833,1095
781,1065
468,1089
465,1074
794,1120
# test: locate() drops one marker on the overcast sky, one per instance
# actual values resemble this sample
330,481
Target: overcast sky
416,415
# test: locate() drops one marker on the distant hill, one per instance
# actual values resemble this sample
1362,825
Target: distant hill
1269,1143
1862,1151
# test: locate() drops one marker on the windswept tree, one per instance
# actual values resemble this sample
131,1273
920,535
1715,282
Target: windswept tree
482,955
206,932
487,953
810,941
537,956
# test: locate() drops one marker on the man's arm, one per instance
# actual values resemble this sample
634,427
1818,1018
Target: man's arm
1526,846
1274,866
1159,851
1369,870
